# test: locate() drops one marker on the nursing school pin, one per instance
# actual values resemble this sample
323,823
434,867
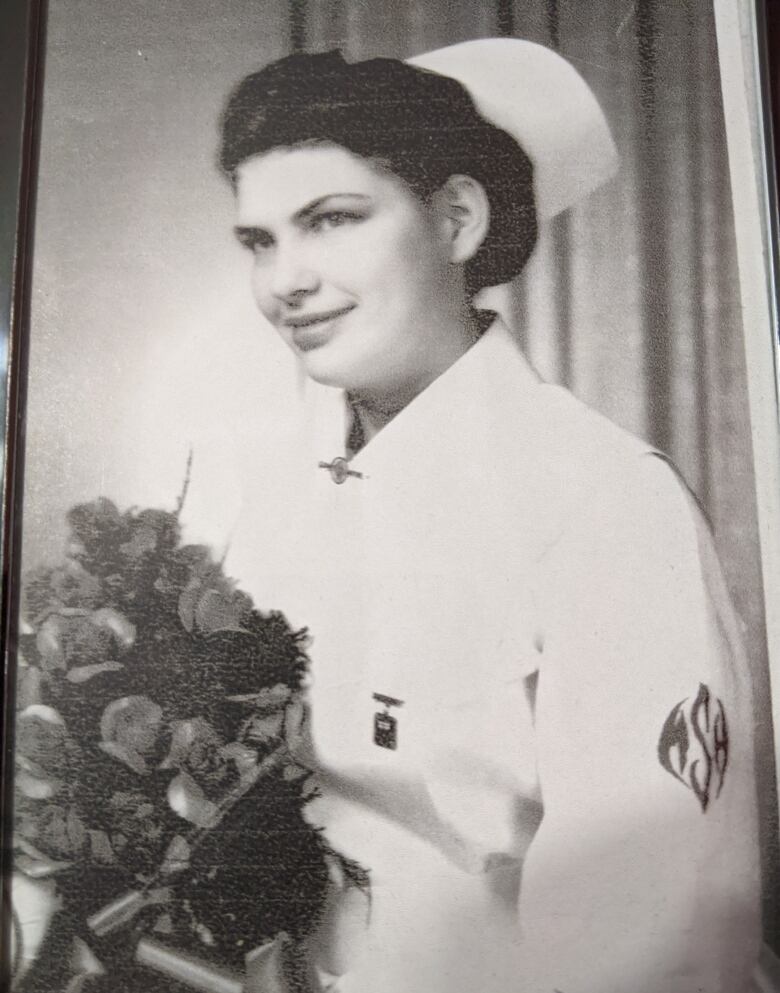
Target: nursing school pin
339,470
385,725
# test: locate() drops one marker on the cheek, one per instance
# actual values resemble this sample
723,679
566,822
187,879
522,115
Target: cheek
399,271
421,262
260,291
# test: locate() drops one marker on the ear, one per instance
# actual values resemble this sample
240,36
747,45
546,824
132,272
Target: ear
464,211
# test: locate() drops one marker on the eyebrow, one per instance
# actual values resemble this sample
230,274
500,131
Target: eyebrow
312,207
244,231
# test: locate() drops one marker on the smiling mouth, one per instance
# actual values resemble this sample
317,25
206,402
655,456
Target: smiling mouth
315,320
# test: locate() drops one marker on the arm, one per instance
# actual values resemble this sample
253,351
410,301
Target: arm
643,877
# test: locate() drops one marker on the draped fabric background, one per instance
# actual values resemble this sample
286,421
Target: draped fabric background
631,300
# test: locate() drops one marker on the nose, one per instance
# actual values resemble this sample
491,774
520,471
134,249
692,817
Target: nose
292,276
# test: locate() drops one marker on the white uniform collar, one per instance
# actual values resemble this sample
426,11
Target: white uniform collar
447,412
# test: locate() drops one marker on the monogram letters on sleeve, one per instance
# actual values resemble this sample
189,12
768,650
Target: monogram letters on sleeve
694,745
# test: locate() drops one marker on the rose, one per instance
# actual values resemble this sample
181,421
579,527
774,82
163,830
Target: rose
274,715
56,830
131,730
86,640
211,603
196,748
94,524
208,769
45,752
148,533
61,638
142,541
70,585
133,821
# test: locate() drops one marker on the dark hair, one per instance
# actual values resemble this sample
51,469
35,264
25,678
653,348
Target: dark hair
422,126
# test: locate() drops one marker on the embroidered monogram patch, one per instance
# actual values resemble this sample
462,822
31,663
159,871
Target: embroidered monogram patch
694,745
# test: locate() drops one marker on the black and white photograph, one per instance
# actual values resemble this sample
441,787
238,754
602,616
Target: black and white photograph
396,591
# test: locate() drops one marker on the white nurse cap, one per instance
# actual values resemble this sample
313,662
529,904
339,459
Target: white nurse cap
544,104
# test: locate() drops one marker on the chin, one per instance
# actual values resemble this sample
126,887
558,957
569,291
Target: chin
326,367
326,373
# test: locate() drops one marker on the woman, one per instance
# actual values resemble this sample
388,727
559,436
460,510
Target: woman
530,715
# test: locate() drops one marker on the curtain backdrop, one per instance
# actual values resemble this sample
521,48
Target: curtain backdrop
631,300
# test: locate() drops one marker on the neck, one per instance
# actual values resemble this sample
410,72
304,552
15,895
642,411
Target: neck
368,419
373,409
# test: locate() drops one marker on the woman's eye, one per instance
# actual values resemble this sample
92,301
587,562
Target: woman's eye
332,219
256,240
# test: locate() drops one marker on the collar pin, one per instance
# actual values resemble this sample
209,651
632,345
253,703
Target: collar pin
339,470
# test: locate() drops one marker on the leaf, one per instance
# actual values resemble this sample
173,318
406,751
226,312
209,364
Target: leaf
83,961
187,600
163,924
82,673
265,968
292,772
245,759
76,830
269,698
191,741
101,849
39,867
265,728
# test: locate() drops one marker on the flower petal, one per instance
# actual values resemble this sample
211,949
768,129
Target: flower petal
48,714
129,758
189,801
35,788
217,611
49,643
116,623
177,857
28,687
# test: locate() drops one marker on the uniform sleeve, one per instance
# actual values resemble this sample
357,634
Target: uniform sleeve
643,877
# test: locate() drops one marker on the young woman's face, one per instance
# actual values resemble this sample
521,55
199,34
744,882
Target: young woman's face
349,267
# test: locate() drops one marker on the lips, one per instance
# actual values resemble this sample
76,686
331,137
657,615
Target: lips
312,330
311,320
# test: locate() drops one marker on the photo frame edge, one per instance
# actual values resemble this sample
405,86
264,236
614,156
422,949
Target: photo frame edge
22,24
739,39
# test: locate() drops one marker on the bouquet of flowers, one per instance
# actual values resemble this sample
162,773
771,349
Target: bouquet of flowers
154,782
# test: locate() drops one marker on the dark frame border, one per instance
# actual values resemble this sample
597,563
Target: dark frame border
22,25
772,81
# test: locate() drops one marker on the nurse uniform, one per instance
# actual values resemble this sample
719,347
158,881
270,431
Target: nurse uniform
529,708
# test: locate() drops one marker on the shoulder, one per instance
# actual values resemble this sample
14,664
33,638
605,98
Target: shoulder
589,477
633,561
623,527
